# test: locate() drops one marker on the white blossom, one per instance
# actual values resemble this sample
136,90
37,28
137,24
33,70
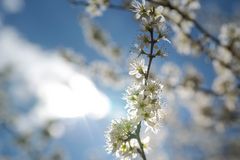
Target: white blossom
119,140
132,93
144,104
138,68
153,88
150,16
139,8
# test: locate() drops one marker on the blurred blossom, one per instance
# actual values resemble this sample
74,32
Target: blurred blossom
73,57
185,45
171,73
229,37
199,104
55,129
109,75
225,81
203,135
96,8
106,73
224,55
187,6
100,40
230,33
193,78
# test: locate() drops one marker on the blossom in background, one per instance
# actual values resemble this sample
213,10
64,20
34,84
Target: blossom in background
193,78
95,8
108,74
99,39
184,44
170,73
225,81
230,36
188,6
223,55
229,33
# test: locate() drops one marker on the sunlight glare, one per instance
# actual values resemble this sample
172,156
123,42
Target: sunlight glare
77,98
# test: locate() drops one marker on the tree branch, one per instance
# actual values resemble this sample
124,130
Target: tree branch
196,24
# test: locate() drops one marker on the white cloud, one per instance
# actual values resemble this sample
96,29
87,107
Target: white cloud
12,6
62,92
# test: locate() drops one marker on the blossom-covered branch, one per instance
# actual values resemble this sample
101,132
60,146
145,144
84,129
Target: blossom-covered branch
213,106
143,96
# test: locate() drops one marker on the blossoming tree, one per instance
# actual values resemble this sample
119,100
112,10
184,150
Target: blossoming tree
214,109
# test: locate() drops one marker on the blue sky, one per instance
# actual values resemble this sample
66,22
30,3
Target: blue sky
54,24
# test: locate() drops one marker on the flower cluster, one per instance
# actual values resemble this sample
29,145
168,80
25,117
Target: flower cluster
147,12
143,103
153,21
149,15
143,97
119,139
